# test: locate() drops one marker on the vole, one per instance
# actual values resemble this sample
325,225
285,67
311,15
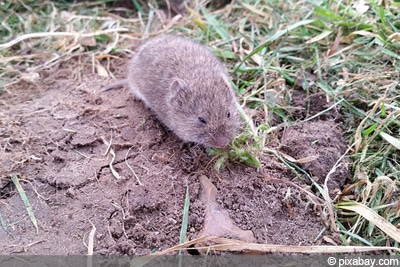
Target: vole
187,87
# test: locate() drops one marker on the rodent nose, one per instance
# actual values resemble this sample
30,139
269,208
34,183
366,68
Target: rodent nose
221,140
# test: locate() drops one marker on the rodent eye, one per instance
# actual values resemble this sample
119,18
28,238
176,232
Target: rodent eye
202,120
228,115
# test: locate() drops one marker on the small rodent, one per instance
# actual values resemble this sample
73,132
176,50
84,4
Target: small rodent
187,87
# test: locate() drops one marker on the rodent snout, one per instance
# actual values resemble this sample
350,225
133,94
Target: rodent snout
223,134
220,140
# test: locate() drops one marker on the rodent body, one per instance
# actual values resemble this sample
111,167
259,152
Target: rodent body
187,87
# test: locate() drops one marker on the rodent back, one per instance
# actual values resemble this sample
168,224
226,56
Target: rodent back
161,60
186,86
173,56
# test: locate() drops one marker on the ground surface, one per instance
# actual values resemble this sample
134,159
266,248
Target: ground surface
54,135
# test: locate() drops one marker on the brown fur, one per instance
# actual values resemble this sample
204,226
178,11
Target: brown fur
188,89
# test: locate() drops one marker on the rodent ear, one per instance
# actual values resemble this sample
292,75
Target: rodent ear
177,86
177,89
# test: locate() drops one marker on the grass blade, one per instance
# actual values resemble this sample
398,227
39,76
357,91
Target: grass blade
225,244
373,217
216,24
25,199
391,140
274,37
185,217
3,224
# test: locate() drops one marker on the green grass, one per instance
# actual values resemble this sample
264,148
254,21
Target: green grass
265,44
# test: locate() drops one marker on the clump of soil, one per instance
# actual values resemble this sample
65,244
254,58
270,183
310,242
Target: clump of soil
320,140
54,135
323,144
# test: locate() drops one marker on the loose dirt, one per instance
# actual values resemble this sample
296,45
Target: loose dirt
58,136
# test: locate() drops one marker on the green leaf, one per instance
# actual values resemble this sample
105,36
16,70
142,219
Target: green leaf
220,162
224,54
390,53
102,38
138,6
383,110
326,13
199,23
370,129
250,160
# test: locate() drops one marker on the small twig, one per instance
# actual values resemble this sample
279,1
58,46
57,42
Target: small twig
89,260
111,151
58,34
328,200
123,217
91,239
127,164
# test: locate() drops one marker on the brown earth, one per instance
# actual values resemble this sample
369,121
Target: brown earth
55,134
